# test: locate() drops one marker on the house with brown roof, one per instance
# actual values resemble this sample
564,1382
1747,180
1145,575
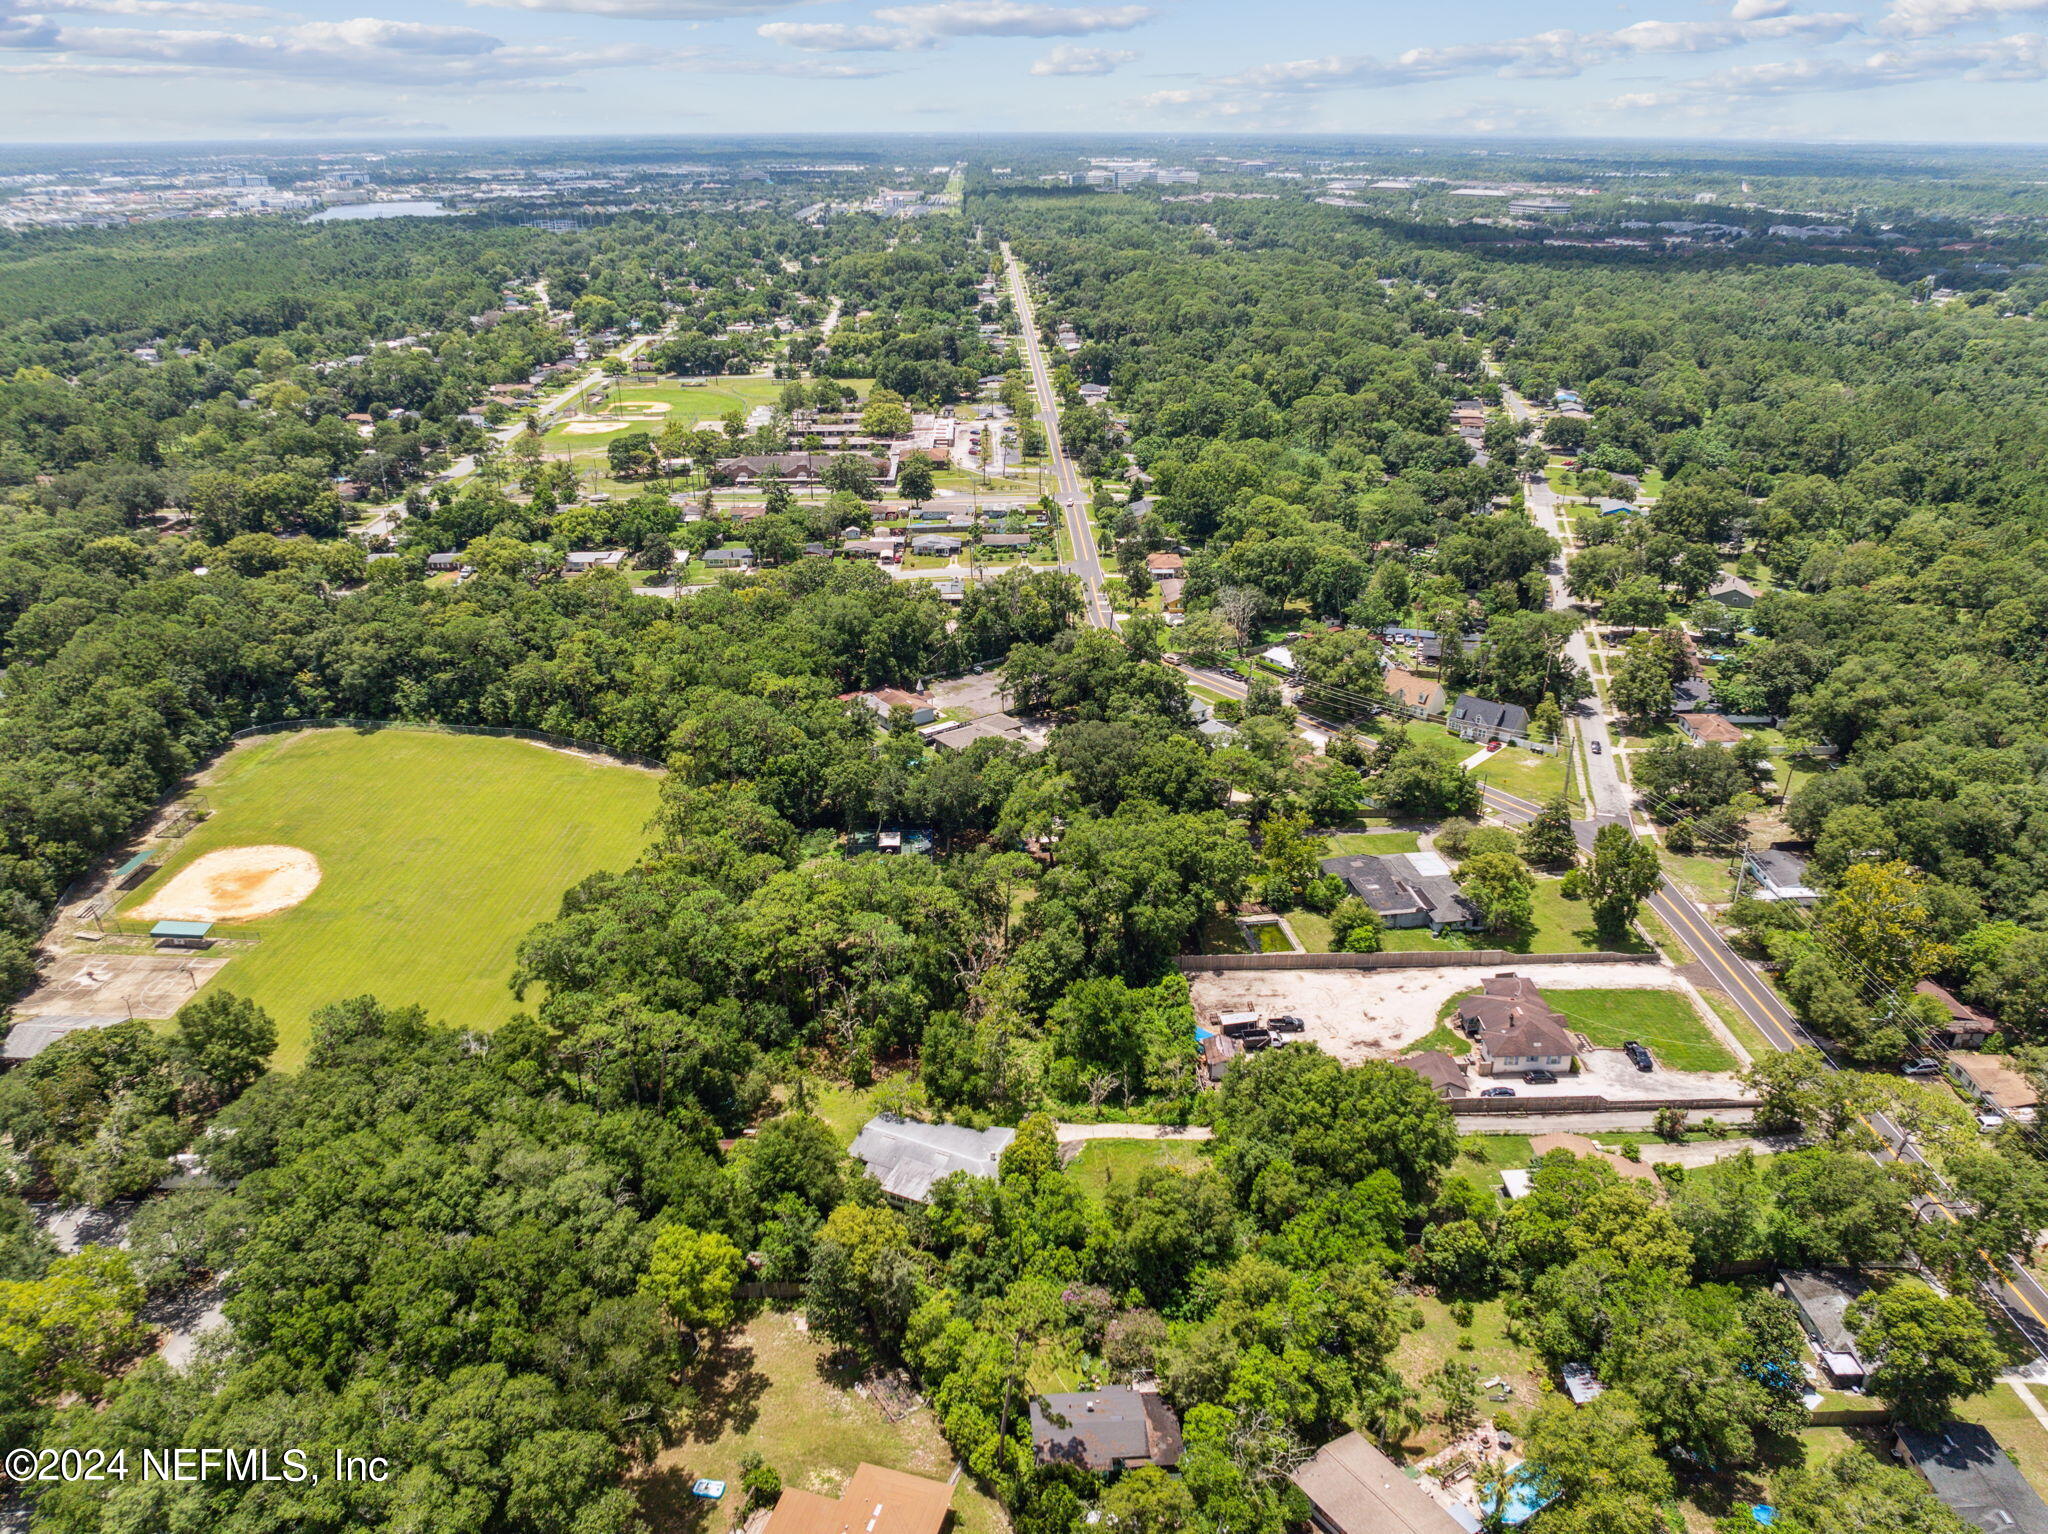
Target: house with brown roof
1993,1080
1352,1488
1440,1070
1708,729
884,701
1516,1030
1170,594
1164,564
876,1501
1583,1148
1967,1027
1416,692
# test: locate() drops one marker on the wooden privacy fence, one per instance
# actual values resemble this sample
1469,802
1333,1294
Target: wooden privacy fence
1485,958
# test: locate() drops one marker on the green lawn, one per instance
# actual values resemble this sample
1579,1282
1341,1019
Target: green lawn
1351,843
1562,926
437,854
785,1395
1492,1354
1106,1162
1532,774
1664,1021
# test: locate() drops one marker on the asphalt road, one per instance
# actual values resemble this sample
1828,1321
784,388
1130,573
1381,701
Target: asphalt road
1087,562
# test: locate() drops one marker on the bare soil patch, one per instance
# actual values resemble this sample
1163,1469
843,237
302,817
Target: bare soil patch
234,884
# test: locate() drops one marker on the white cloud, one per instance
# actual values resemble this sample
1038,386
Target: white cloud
653,10
1931,18
2020,58
1757,10
362,49
1066,59
1013,18
1560,53
197,10
837,37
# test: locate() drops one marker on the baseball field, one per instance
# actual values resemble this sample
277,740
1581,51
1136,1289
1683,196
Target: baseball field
399,863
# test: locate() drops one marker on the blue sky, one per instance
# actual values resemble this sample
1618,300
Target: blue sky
1893,70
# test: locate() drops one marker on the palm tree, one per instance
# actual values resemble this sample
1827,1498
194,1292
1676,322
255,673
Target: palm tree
1388,1411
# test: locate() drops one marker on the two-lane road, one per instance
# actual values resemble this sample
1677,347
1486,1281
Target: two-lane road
1087,563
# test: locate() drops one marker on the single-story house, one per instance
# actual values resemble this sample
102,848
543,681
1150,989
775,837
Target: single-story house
1708,729
935,543
1440,1070
1278,657
875,1501
1416,692
1693,696
1171,592
1967,1027
1732,591
1779,875
444,562
1353,1488
886,700
1822,1296
1973,1477
1516,1030
1114,1428
872,548
1406,889
728,559
594,559
1483,719
907,1157
1995,1083
1583,1148
1005,540
959,737
1164,564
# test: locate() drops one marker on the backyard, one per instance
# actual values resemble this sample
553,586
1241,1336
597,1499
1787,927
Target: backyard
774,1389
1663,1021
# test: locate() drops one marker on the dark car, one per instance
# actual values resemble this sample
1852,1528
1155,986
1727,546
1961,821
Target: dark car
1259,1040
1541,1078
1596,747
1287,1024
1639,1055
1498,1092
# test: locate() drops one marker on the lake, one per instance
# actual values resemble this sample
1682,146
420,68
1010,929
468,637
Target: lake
379,210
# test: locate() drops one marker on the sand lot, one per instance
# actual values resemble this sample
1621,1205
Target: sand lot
115,984
234,884
1368,1014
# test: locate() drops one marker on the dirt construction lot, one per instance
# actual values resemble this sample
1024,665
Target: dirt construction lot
1368,1014
1360,1015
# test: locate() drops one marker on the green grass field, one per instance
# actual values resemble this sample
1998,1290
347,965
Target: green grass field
1103,1163
437,854
1663,1020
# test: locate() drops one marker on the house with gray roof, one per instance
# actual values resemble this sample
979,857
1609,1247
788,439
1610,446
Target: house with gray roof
1971,1474
1407,889
1107,1430
1478,718
907,1157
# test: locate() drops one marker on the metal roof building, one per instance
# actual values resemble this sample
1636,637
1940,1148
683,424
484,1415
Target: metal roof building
906,1157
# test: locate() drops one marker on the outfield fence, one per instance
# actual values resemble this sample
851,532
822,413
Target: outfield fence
510,732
